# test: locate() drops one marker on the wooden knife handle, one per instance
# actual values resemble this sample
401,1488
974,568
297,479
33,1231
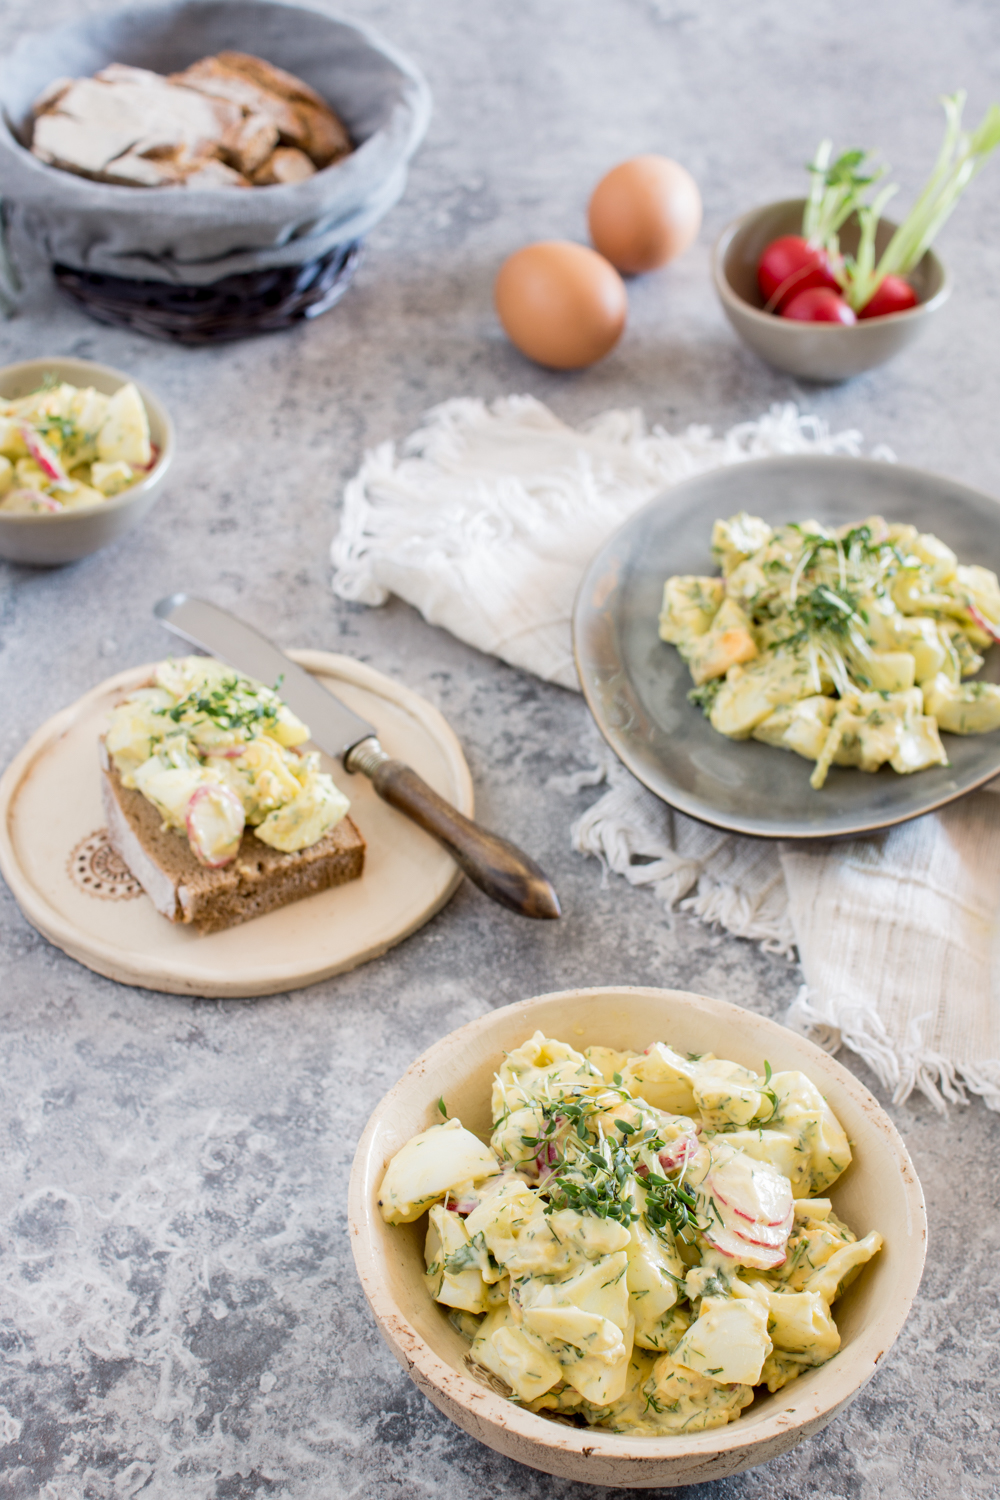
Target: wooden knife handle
501,870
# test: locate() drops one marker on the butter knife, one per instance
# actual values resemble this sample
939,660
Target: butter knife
505,873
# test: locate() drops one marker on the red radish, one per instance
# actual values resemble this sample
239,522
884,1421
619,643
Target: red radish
44,456
36,498
754,1218
818,305
214,822
756,1189
982,621
547,1156
678,1153
773,1238
462,1206
791,265
760,1257
893,296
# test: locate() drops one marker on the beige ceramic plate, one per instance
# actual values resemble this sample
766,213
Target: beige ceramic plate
78,895
878,1191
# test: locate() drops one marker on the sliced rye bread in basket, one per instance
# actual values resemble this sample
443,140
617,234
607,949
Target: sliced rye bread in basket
258,880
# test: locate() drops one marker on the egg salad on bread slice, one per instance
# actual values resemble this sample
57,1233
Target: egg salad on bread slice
213,751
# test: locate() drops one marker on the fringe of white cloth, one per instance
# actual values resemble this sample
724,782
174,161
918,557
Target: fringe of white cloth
721,878
486,519
834,1020
738,884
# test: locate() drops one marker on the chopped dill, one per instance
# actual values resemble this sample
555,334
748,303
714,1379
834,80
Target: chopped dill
670,1205
825,608
706,695
235,703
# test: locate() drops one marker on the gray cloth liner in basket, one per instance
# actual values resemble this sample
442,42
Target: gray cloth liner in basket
196,237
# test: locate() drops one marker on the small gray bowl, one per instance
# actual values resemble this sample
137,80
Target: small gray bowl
824,352
64,537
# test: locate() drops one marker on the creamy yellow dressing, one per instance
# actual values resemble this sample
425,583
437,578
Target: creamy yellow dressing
849,647
213,750
643,1243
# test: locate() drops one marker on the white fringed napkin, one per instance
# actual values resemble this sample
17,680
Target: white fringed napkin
486,523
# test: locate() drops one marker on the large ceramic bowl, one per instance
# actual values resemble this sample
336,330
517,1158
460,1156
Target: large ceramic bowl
47,540
823,352
879,1191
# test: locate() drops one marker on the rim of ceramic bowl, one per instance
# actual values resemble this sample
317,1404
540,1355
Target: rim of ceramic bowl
489,1409
728,293
64,364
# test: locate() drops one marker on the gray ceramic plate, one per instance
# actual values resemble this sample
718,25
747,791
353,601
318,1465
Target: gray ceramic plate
636,685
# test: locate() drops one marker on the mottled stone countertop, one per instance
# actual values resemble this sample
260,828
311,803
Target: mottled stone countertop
179,1311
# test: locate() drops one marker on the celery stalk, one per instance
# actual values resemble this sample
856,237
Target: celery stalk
834,193
837,190
961,157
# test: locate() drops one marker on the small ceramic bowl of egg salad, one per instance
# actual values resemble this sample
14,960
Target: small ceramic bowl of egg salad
635,1237
84,453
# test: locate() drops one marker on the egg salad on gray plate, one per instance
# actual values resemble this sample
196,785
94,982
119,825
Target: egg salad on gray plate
644,1240
851,647
213,751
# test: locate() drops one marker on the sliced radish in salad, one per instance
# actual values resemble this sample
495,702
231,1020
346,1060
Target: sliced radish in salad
29,500
463,1206
754,1203
678,1153
752,1189
214,821
44,456
981,620
758,1257
754,1199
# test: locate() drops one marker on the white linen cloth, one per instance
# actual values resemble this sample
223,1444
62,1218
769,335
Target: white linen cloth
485,522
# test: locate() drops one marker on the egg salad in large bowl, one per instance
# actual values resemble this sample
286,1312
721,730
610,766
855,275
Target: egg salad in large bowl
645,1239
635,1237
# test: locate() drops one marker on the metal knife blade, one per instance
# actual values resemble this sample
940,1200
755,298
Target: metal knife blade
333,726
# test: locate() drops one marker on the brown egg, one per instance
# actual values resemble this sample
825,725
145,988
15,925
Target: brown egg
561,304
644,212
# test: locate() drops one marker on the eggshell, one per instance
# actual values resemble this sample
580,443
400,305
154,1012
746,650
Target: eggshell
561,304
644,212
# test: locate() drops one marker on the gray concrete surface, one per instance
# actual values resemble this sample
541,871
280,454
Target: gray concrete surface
179,1312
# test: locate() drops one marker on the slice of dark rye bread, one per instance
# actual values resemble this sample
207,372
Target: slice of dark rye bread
259,879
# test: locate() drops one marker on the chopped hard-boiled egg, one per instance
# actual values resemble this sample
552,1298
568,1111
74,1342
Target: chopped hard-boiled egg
64,448
201,726
728,1341
846,646
636,1246
124,434
428,1166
